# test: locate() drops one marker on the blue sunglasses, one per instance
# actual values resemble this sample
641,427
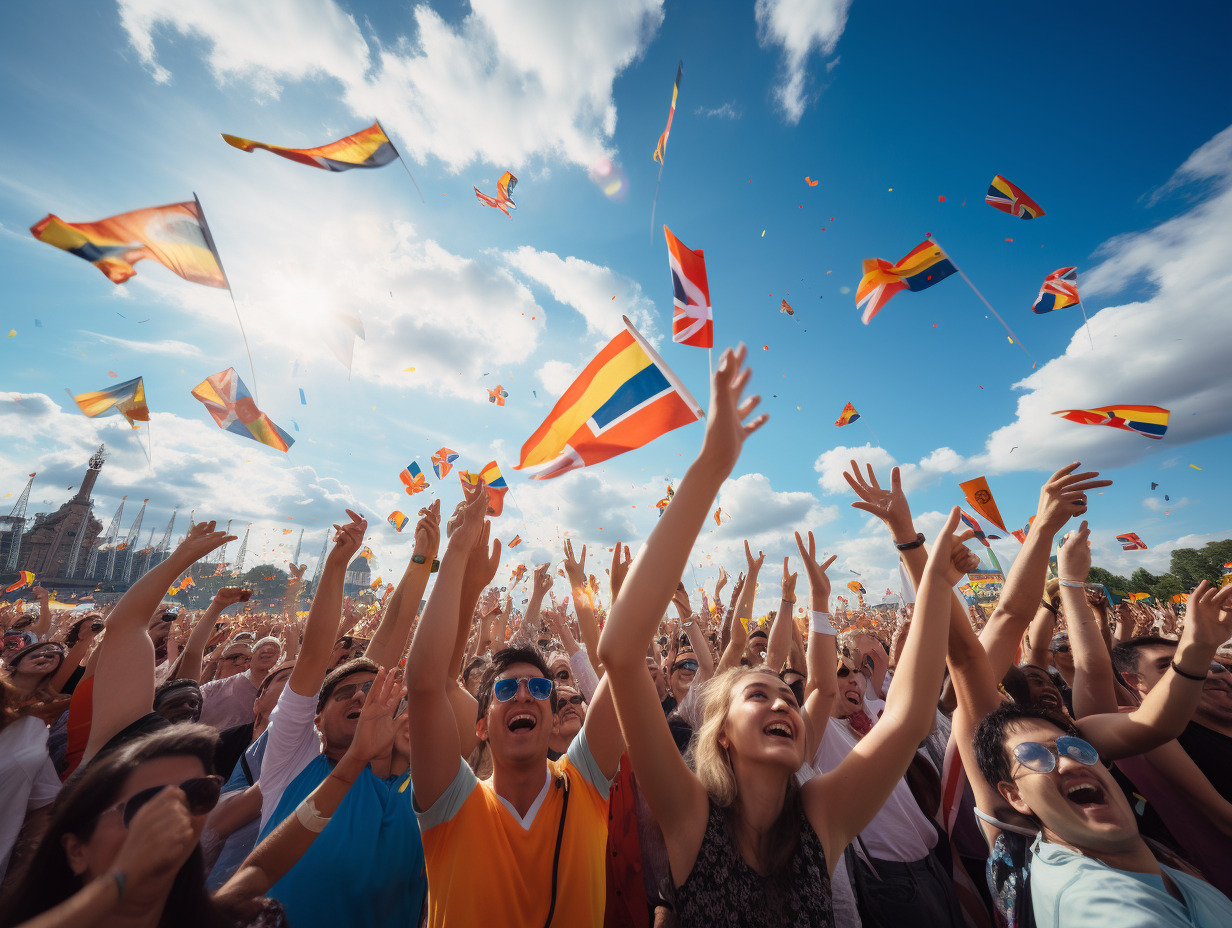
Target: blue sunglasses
1043,758
538,687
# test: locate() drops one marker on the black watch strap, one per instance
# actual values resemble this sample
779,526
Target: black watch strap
418,559
907,546
436,565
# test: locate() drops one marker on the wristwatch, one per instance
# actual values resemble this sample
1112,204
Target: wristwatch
418,559
909,545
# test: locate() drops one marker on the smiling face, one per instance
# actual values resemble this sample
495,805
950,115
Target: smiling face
763,724
265,657
562,673
1043,691
1081,807
235,659
755,650
570,711
681,674
519,729
40,661
339,716
850,693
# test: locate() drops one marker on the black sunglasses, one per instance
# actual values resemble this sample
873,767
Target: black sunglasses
201,794
686,664
571,701
347,692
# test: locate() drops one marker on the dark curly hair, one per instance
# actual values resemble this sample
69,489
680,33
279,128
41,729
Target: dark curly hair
991,734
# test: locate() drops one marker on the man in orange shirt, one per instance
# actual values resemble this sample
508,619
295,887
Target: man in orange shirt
532,836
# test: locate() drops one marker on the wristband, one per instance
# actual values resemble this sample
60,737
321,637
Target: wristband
1188,676
418,559
1077,584
121,882
820,624
1050,607
309,817
436,565
907,546
792,600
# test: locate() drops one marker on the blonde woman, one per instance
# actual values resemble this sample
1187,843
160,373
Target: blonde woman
745,845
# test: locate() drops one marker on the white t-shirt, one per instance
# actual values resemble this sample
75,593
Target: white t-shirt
899,831
28,779
291,741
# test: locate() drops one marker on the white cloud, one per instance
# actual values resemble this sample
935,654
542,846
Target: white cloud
1157,504
1166,350
800,27
728,110
165,346
509,82
589,289
833,463
556,376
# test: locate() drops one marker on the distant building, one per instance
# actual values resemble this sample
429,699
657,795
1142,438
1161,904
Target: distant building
52,548
358,577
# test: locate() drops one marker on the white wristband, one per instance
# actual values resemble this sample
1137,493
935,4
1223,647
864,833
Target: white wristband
820,624
1078,584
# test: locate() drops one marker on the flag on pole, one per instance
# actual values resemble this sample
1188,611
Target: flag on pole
661,148
692,316
919,269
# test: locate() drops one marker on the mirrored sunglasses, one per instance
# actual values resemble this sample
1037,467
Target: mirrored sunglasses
1042,758
538,687
686,664
201,794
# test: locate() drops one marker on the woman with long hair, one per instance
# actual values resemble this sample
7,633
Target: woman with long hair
122,847
746,846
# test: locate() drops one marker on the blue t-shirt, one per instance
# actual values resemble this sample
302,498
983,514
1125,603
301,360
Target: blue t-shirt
1069,889
240,842
366,867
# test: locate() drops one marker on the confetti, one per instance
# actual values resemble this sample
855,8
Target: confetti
940,199
807,180
12,333
1195,466
763,233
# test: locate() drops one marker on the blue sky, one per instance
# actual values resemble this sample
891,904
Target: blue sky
1108,122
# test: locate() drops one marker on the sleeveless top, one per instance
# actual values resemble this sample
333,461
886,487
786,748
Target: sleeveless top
722,891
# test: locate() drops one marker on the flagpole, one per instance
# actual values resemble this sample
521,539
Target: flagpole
1088,323
655,203
402,160
209,241
1013,337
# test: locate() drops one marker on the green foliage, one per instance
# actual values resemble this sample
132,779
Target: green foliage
1114,582
1188,568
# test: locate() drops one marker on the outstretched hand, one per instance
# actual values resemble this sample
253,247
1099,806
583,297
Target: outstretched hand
819,582
1074,555
789,582
575,568
1208,621
543,580
201,540
428,530
620,568
348,538
890,506
754,562
950,559
1064,496
726,429
374,733
481,566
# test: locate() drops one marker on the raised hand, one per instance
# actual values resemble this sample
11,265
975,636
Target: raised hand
890,506
200,541
754,562
470,517
620,568
374,733
819,582
348,537
481,566
950,559
720,583
725,423
428,531
1074,556
575,568
1064,496
789,581
543,580
297,574
1208,621
680,599
229,596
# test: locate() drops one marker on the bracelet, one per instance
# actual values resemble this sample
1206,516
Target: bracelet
1188,676
309,817
792,600
820,624
1050,607
121,882
1077,584
907,546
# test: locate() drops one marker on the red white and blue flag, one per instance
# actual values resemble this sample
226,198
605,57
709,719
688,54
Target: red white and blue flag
692,317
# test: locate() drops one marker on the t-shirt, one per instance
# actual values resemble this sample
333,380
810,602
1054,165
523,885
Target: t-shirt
1211,751
80,712
1069,890
480,853
28,779
292,742
229,702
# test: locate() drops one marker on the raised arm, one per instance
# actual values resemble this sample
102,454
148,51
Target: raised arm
321,629
778,642
124,675
435,745
42,628
841,803
1039,635
691,624
743,612
194,648
389,643
822,656
575,570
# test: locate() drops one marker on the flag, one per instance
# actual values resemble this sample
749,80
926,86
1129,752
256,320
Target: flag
855,586
442,461
1138,597
175,236
847,416
517,540
366,553
980,498
661,147
785,307
1131,542
375,584
287,531
128,399
232,406
413,479
1010,199
970,522
497,395
25,578
1021,534
494,481
919,269
1151,421
662,504
368,148
397,519
718,517
504,194
1058,291
624,399
692,317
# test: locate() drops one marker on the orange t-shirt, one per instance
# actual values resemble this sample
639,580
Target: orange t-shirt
485,868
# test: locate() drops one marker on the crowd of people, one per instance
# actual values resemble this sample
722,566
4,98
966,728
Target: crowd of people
662,759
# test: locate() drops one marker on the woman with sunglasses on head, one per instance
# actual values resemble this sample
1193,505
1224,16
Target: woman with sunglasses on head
122,845
746,845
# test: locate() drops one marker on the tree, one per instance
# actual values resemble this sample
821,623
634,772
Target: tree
1141,580
1193,565
1113,582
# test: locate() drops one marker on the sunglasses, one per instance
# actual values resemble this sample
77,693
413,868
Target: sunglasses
96,626
1061,649
562,675
1217,667
1042,758
571,701
236,658
347,692
686,664
538,687
201,794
